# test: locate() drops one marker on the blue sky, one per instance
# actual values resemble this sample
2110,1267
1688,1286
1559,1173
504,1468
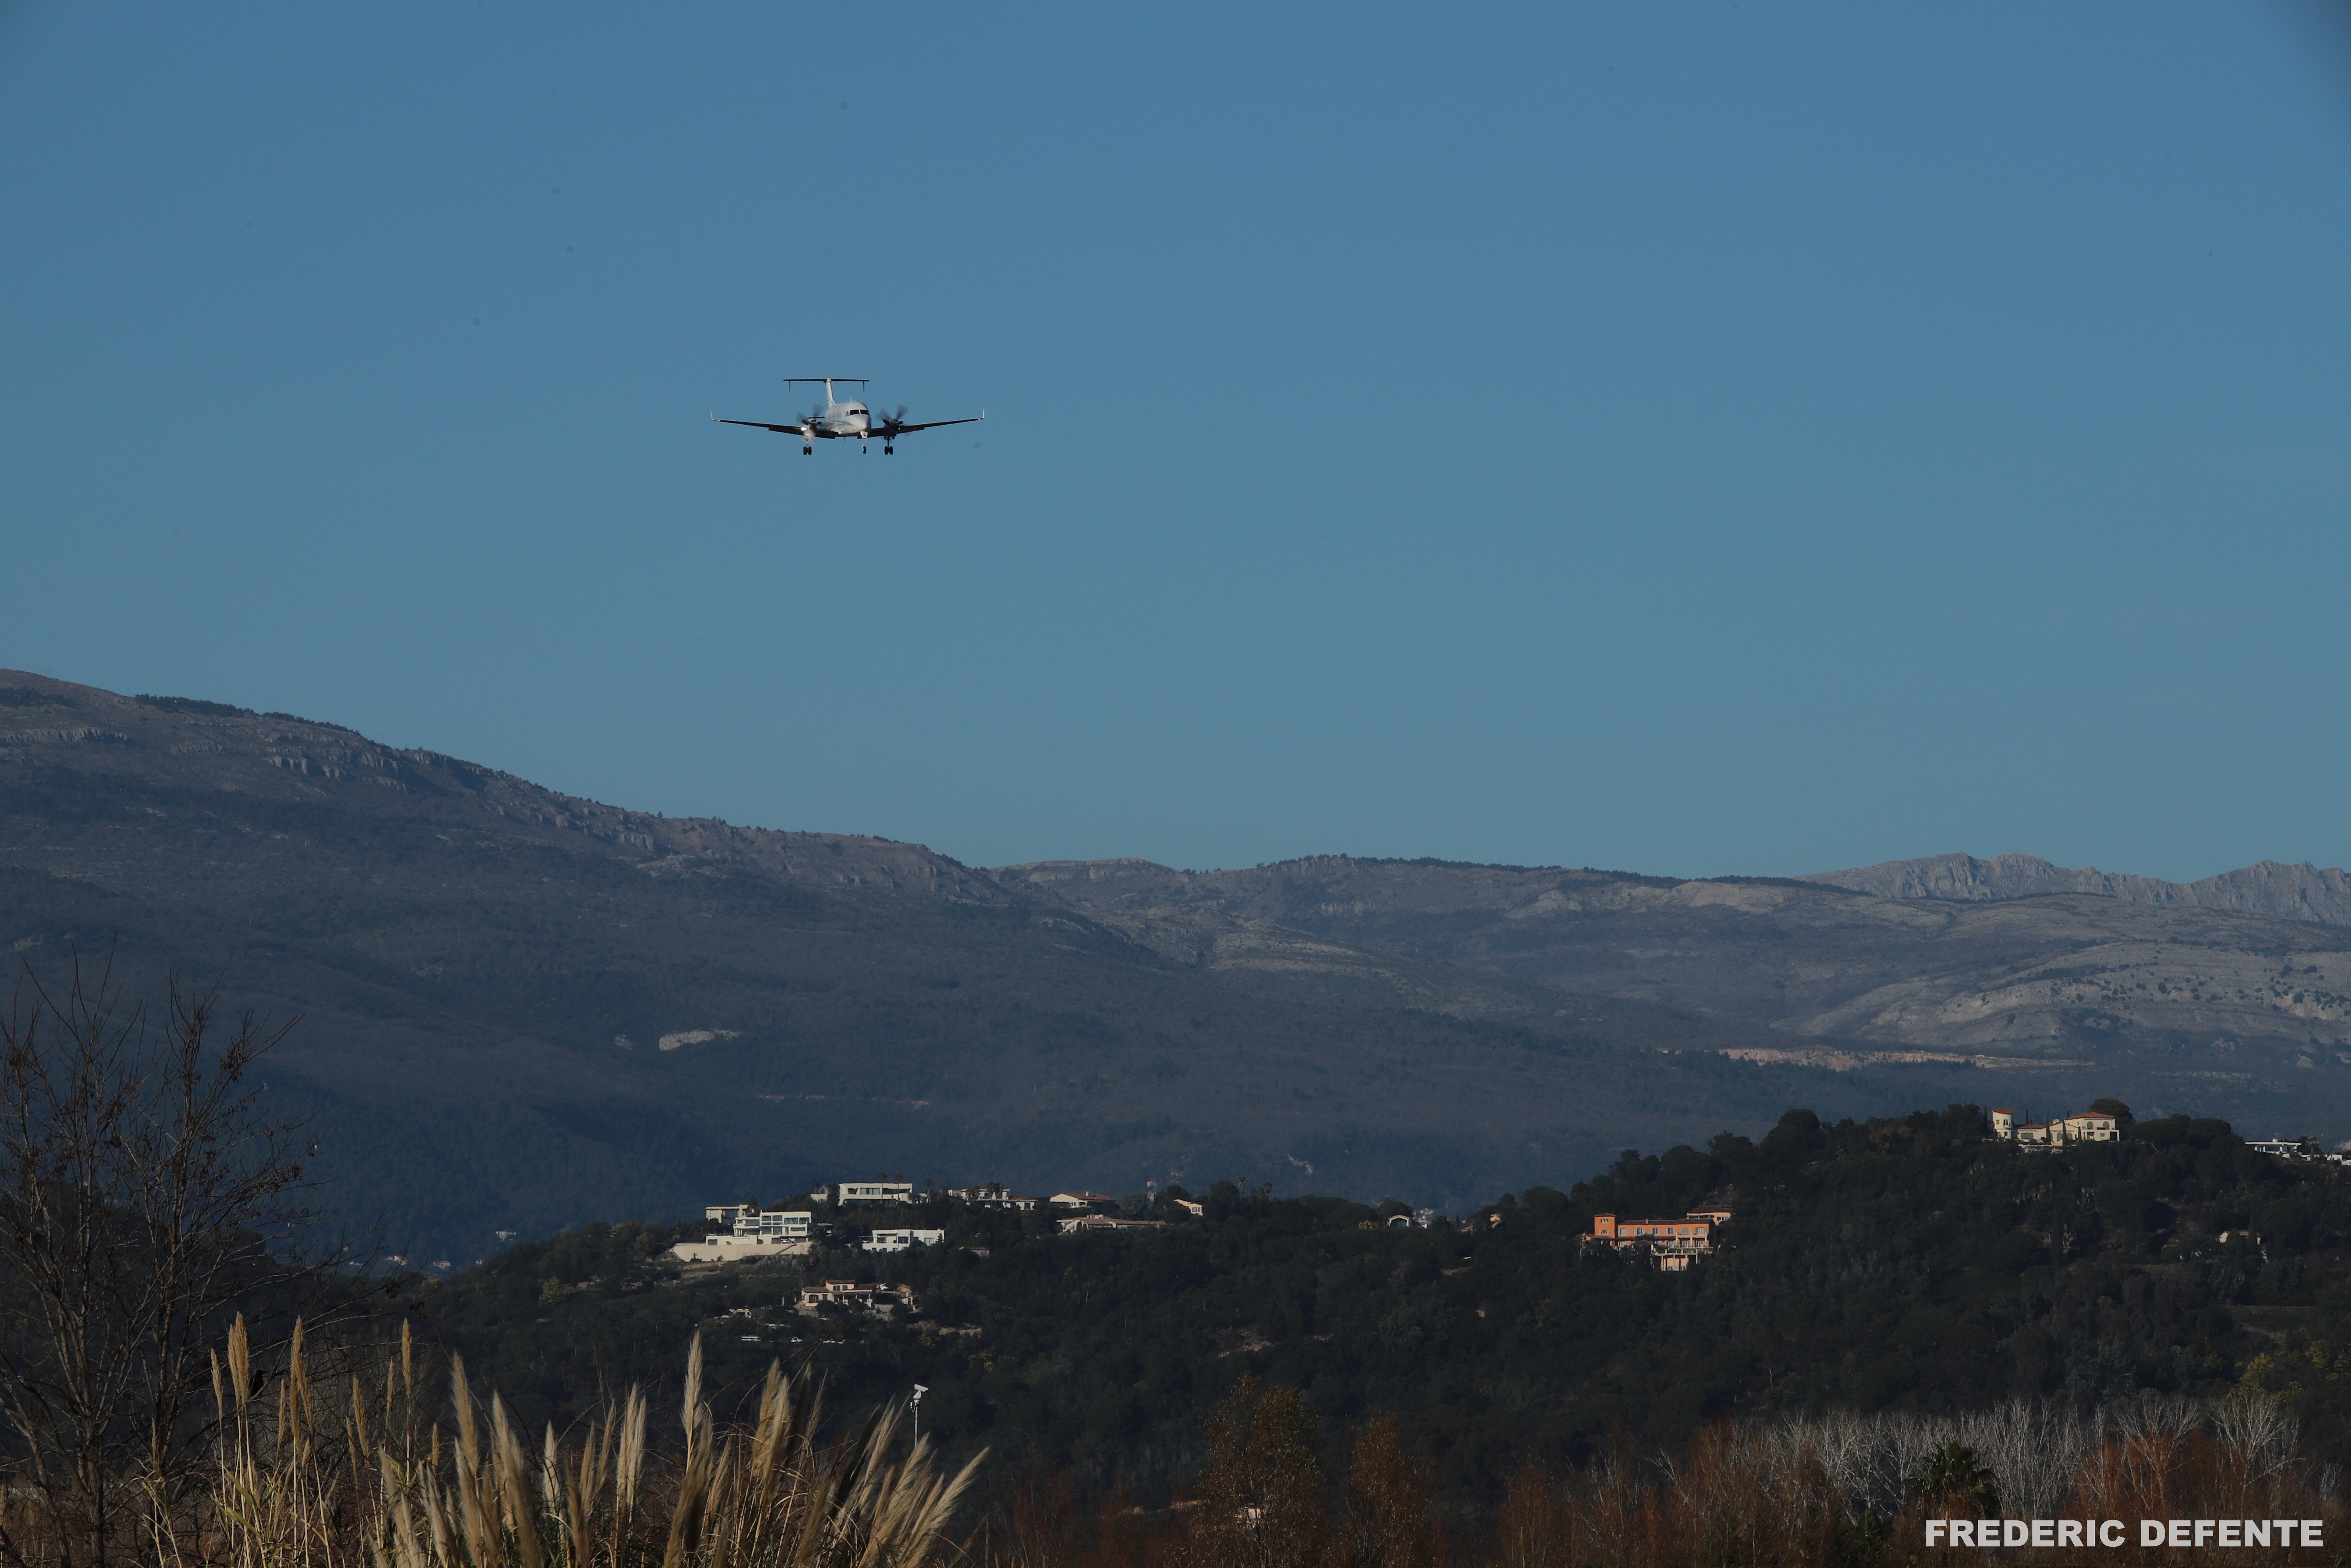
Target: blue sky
1696,439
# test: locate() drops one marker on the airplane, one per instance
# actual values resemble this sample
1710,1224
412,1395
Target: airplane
851,420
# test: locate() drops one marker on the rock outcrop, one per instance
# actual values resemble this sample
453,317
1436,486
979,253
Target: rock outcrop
2303,891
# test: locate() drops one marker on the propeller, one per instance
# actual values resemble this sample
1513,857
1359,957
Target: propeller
893,424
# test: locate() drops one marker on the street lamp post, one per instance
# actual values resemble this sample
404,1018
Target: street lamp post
915,1405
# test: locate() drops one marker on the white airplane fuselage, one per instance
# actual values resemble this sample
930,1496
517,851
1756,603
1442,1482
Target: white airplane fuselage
852,418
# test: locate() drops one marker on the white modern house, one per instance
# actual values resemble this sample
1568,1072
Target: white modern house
1103,1224
899,1240
752,1233
750,1219
992,1195
2294,1149
850,1192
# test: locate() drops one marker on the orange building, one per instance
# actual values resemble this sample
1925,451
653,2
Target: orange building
1675,1243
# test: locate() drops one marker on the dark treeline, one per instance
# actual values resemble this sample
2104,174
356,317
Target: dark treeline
1905,1320
1909,1265
1837,1491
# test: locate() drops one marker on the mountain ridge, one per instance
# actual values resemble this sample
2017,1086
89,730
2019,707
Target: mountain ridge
2297,892
281,756
2053,976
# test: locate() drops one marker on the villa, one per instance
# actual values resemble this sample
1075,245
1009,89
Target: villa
752,1233
1676,1244
2088,1127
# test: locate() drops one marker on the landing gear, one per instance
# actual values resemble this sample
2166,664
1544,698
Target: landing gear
806,450
862,449
889,451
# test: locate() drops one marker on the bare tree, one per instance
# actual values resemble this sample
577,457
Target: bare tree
146,1196
1263,1501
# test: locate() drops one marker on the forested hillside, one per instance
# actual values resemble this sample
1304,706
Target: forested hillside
1905,1263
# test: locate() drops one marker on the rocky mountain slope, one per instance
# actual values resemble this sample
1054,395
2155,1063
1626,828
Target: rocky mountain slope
68,739
2195,993
2300,891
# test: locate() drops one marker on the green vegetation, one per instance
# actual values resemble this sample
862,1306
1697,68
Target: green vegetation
192,705
1905,1264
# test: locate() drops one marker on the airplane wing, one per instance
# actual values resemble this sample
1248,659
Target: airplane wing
910,429
757,424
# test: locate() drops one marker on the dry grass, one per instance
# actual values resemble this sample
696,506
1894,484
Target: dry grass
374,1467
369,1477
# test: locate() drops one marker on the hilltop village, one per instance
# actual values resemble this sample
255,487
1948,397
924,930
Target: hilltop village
750,1231
1673,1245
2104,1123
2074,1270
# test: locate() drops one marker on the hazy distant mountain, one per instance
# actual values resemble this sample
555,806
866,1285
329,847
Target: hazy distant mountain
2300,891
